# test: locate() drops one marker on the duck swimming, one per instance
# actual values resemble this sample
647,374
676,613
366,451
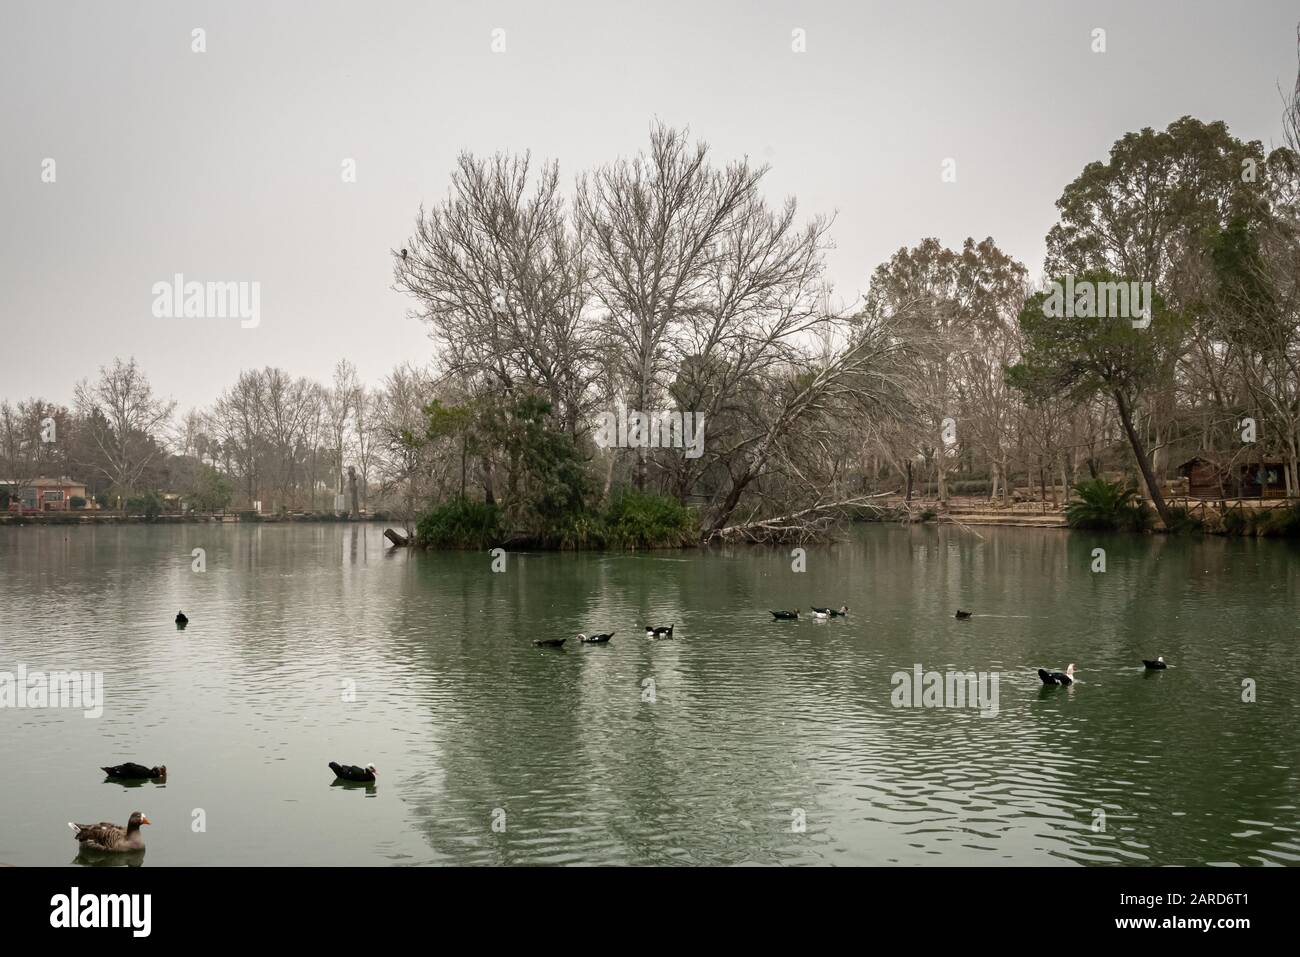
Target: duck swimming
963,615
112,837
181,620
1156,665
785,615
135,772
350,772
831,612
550,642
1057,677
659,632
596,639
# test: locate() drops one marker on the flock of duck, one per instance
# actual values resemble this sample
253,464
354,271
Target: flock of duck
1065,677
115,838
659,633
107,837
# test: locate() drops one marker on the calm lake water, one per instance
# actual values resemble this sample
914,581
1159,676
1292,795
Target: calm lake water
754,723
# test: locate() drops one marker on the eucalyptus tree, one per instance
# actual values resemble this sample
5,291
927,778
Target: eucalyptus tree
957,309
1148,214
1083,356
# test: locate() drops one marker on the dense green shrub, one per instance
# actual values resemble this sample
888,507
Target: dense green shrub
148,504
461,523
636,520
249,516
633,520
77,502
1105,506
210,491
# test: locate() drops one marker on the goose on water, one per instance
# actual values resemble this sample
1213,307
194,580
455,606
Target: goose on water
659,632
105,836
550,642
1156,665
785,615
963,615
135,772
831,612
1057,677
350,772
599,639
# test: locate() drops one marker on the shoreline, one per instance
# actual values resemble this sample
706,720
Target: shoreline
963,522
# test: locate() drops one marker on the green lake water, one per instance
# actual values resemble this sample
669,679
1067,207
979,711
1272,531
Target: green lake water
765,743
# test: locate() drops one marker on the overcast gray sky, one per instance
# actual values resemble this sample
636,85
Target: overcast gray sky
225,165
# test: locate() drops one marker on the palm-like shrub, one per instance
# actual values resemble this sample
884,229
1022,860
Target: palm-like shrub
1107,506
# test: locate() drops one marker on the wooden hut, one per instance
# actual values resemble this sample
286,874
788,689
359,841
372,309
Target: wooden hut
1207,479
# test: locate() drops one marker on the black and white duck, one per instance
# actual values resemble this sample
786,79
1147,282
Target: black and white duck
659,632
135,772
832,612
350,772
112,837
785,615
598,639
1057,677
1157,665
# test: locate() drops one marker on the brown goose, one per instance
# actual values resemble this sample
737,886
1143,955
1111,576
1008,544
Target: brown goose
112,837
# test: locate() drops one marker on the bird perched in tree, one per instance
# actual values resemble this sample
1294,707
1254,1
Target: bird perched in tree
403,253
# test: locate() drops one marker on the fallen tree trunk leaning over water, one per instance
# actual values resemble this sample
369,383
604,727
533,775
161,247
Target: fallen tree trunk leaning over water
399,540
808,524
